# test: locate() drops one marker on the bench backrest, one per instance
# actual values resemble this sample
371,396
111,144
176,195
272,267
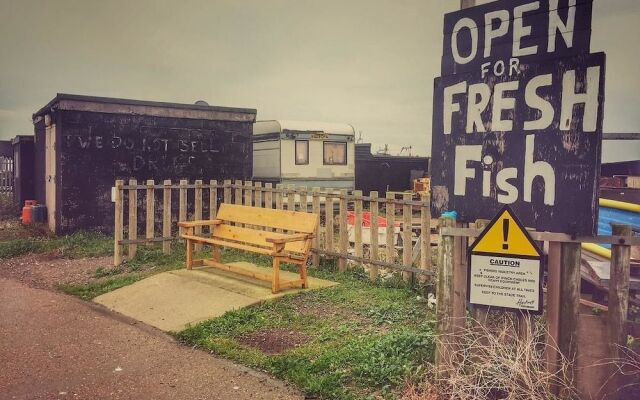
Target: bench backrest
288,221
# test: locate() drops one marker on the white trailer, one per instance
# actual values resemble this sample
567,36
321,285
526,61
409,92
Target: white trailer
311,154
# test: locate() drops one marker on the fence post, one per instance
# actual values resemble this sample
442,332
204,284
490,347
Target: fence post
407,254
425,233
357,226
480,314
227,191
118,222
197,211
182,210
291,197
151,211
133,218
554,268
618,302
238,192
373,238
569,307
390,214
258,194
279,197
268,196
328,216
213,199
342,225
303,199
444,304
248,198
315,192
166,217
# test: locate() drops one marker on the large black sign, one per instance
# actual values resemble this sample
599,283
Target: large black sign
518,115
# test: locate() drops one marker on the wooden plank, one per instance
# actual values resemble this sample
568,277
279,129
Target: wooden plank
291,197
373,250
238,270
282,219
390,211
133,219
618,304
315,204
226,188
182,207
226,243
425,233
554,267
213,198
237,198
304,201
459,294
248,195
407,256
197,211
569,307
118,230
342,227
258,194
444,303
256,237
151,213
478,313
268,196
357,227
166,216
329,219
279,199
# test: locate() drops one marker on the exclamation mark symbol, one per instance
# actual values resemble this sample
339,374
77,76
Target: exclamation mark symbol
505,234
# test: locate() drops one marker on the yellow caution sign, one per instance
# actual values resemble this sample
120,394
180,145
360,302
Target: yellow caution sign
506,235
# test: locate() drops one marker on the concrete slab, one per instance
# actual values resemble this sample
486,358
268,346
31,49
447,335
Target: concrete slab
172,300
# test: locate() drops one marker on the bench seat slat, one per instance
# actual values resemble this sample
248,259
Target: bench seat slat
239,246
256,237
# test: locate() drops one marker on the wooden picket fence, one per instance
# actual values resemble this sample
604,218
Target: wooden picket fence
152,208
6,175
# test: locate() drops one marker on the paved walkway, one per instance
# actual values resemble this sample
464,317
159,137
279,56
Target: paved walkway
171,300
54,346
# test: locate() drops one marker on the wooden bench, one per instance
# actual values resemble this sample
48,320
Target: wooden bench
256,236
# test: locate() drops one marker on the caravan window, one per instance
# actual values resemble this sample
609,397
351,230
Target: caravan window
302,152
335,153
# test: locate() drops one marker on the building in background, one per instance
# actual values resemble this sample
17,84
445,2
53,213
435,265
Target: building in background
83,144
311,154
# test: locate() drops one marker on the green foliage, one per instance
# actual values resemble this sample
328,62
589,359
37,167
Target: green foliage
94,289
365,340
77,245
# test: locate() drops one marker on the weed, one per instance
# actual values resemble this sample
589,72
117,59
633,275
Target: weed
94,289
77,245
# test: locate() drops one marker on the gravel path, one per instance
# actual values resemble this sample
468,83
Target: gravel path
54,346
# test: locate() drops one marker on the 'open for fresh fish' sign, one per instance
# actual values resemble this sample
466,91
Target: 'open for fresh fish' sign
505,266
518,115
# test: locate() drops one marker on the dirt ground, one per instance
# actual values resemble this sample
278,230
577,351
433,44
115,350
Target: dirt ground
274,341
44,271
54,346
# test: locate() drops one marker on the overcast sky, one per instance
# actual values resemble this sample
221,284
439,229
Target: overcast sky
370,63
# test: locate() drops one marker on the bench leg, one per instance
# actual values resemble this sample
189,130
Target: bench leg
189,254
216,253
275,282
303,274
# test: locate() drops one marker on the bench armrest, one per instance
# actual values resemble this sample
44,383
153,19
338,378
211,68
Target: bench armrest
290,238
191,224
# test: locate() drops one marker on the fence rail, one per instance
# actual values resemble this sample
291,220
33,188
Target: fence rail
351,224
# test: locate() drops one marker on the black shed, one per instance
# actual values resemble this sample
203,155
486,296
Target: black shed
83,144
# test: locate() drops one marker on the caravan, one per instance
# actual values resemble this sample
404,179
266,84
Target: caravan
311,154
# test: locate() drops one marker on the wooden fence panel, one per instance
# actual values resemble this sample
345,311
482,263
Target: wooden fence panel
357,226
197,211
407,254
342,226
118,235
329,228
133,219
166,217
151,212
373,248
390,215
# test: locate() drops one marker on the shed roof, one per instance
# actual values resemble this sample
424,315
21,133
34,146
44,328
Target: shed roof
279,126
76,102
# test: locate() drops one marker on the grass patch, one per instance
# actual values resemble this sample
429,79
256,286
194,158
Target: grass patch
77,245
95,289
366,341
